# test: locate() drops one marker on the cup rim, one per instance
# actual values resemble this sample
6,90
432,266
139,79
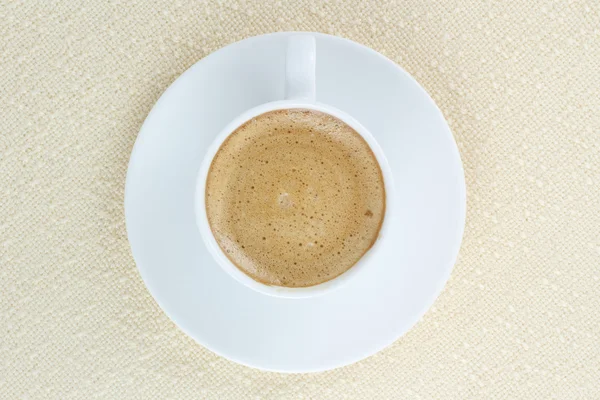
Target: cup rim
211,243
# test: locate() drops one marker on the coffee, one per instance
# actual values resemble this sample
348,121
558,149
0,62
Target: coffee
295,197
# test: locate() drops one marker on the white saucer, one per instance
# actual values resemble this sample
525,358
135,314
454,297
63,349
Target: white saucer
295,335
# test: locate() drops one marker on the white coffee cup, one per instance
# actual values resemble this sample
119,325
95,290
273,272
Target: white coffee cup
300,91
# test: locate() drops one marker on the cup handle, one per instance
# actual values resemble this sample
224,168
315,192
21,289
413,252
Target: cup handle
300,68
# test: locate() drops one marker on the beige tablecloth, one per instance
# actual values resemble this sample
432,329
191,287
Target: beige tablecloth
519,82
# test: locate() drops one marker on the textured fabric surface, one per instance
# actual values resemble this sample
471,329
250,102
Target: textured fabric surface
517,80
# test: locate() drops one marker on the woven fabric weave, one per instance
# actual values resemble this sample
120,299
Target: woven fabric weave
519,83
